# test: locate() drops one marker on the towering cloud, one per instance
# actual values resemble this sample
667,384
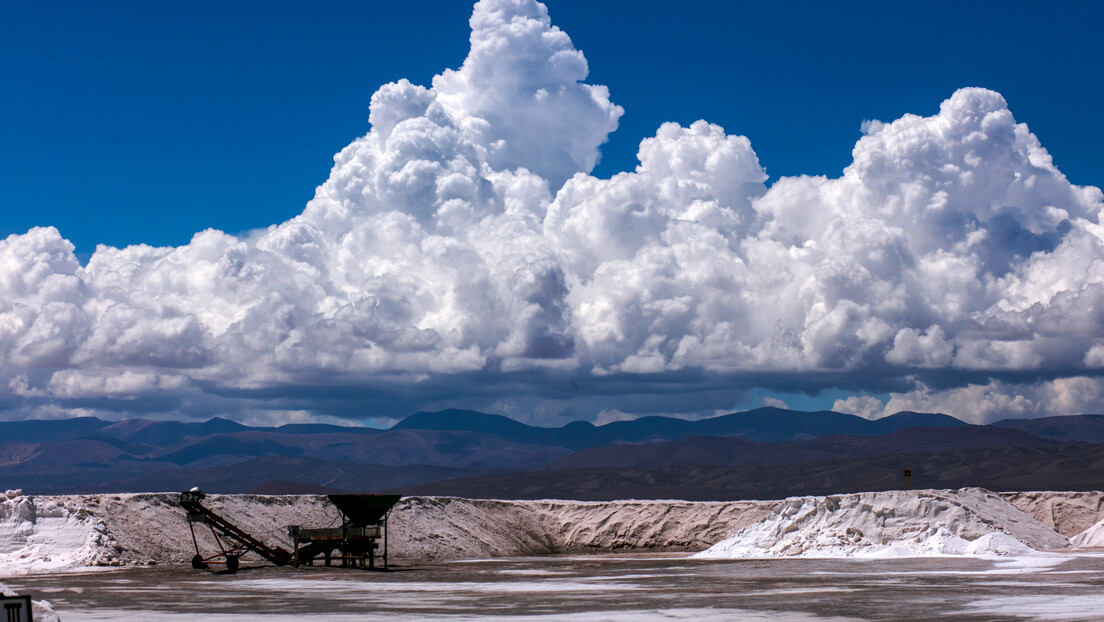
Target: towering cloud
462,246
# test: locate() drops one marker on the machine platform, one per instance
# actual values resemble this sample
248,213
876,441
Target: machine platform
356,541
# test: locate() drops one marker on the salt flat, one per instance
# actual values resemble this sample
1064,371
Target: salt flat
928,554
593,587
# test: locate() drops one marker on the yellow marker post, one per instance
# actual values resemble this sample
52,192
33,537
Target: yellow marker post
908,474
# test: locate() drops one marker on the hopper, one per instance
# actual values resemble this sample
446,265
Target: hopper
364,509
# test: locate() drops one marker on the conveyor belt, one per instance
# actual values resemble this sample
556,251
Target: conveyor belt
191,501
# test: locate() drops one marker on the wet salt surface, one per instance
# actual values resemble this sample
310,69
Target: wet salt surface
615,588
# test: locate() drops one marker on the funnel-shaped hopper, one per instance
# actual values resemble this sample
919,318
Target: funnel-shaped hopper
364,509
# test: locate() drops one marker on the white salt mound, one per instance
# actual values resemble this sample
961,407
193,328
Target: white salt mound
1093,537
41,534
999,543
970,521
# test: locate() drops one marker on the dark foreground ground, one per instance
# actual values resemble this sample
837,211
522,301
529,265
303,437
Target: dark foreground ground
618,588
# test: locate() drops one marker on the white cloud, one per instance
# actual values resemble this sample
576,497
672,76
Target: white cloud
999,400
126,383
463,238
1094,358
519,98
774,402
866,406
922,349
612,416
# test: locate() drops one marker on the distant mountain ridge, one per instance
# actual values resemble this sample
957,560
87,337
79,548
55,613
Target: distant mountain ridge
767,425
1064,466
1084,428
91,455
770,425
736,451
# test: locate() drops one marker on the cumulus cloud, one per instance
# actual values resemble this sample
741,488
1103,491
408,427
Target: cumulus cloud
461,247
990,402
866,406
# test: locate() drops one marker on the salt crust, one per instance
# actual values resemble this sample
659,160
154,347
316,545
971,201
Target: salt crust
41,610
49,534
631,615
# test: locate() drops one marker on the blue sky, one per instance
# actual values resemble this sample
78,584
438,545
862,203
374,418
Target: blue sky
446,262
134,122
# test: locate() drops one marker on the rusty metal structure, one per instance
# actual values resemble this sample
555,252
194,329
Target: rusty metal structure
358,542
234,541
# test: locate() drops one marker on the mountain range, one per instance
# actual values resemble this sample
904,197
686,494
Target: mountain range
762,453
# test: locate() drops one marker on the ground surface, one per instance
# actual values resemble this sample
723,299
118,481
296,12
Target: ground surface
597,587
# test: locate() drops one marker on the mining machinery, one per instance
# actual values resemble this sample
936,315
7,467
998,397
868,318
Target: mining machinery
358,542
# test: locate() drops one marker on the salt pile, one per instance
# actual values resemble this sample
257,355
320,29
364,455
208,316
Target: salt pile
1093,537
970,521
42,534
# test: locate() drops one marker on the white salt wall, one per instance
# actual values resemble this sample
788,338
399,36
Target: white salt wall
450,527
896,523
44,534
151,527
